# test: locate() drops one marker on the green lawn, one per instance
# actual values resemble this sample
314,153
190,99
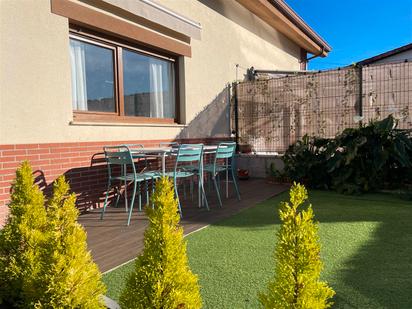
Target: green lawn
366,250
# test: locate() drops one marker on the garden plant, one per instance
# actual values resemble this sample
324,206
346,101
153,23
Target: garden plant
161,278
44,262
372,157
296,284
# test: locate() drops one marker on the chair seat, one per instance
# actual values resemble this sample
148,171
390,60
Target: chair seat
179,174
209,168
130,177
153,174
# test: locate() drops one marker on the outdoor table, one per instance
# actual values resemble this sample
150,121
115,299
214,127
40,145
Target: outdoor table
163,152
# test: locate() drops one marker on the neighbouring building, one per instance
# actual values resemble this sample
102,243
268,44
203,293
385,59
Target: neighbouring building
400,54
78,75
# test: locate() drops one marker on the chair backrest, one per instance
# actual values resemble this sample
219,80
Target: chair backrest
225,150
118,155
189,153
133,146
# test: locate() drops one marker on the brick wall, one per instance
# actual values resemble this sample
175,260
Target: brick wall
82,164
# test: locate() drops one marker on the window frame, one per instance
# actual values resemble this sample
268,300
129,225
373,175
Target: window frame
117,45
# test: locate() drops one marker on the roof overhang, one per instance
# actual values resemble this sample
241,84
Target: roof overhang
156,13
281,17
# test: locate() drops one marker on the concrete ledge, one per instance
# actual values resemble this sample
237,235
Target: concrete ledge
259,164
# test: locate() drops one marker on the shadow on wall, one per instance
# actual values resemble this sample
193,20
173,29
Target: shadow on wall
212,122
250,22
88,183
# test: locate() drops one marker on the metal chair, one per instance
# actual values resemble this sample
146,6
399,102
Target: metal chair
225,151
188,155
121,157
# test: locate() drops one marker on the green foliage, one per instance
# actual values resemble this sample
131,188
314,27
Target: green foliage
296,284
358,160
304,162
44,262
22,242
73,279
162,278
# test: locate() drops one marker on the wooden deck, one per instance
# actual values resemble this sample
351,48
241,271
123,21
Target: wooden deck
113,243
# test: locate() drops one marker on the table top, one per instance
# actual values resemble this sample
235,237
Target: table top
163,150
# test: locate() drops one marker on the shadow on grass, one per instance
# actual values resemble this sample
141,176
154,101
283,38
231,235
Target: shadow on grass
378,274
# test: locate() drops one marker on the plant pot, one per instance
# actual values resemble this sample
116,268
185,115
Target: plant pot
242,174
245,148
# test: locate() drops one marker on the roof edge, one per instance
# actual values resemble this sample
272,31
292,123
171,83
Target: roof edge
386,54
278,15
298,21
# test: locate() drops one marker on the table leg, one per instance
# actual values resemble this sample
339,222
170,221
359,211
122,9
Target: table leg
227,179
163,163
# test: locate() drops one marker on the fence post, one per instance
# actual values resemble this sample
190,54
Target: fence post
234,86
360,90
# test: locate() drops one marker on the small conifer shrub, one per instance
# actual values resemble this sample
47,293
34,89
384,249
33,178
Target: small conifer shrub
297,273
162,278
73,279
44,262
22,243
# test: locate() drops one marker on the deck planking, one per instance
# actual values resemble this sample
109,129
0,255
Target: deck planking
112,243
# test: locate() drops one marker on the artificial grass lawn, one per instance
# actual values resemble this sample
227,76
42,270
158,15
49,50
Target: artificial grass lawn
366,249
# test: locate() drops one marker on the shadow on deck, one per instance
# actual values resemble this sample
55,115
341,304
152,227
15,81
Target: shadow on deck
113,243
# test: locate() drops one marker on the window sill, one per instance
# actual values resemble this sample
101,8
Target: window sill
125,124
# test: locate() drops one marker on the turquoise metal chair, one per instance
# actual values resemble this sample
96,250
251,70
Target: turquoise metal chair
154,174
121,167
188,155
224,161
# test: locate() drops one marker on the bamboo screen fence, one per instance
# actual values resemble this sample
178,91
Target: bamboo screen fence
274,113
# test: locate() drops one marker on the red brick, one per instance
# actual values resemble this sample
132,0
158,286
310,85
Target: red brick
7,147
38,151
27,146
27,158
12,165
13,152
49,156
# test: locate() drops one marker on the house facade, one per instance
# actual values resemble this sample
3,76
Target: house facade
78,75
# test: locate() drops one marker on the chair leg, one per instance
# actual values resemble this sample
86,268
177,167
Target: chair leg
217,190
177,197
235,184
125,195
118,195
153,189
105,200
204,197
191,188
132,203
147,192
140,196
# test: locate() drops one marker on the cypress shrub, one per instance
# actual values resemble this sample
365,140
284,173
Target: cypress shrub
44,262
22,243
162,278
296,283
73,280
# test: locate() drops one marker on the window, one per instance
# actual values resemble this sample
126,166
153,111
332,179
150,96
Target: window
112,81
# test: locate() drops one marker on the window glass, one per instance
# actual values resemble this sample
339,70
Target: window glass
92,77
148,86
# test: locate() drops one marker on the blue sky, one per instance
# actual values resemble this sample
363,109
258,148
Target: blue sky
356,29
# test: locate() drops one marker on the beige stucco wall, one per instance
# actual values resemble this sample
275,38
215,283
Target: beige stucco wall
35,90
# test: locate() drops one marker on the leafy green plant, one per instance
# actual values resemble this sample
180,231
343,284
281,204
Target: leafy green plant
44,261
304,162
296,283
162,278
358,160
